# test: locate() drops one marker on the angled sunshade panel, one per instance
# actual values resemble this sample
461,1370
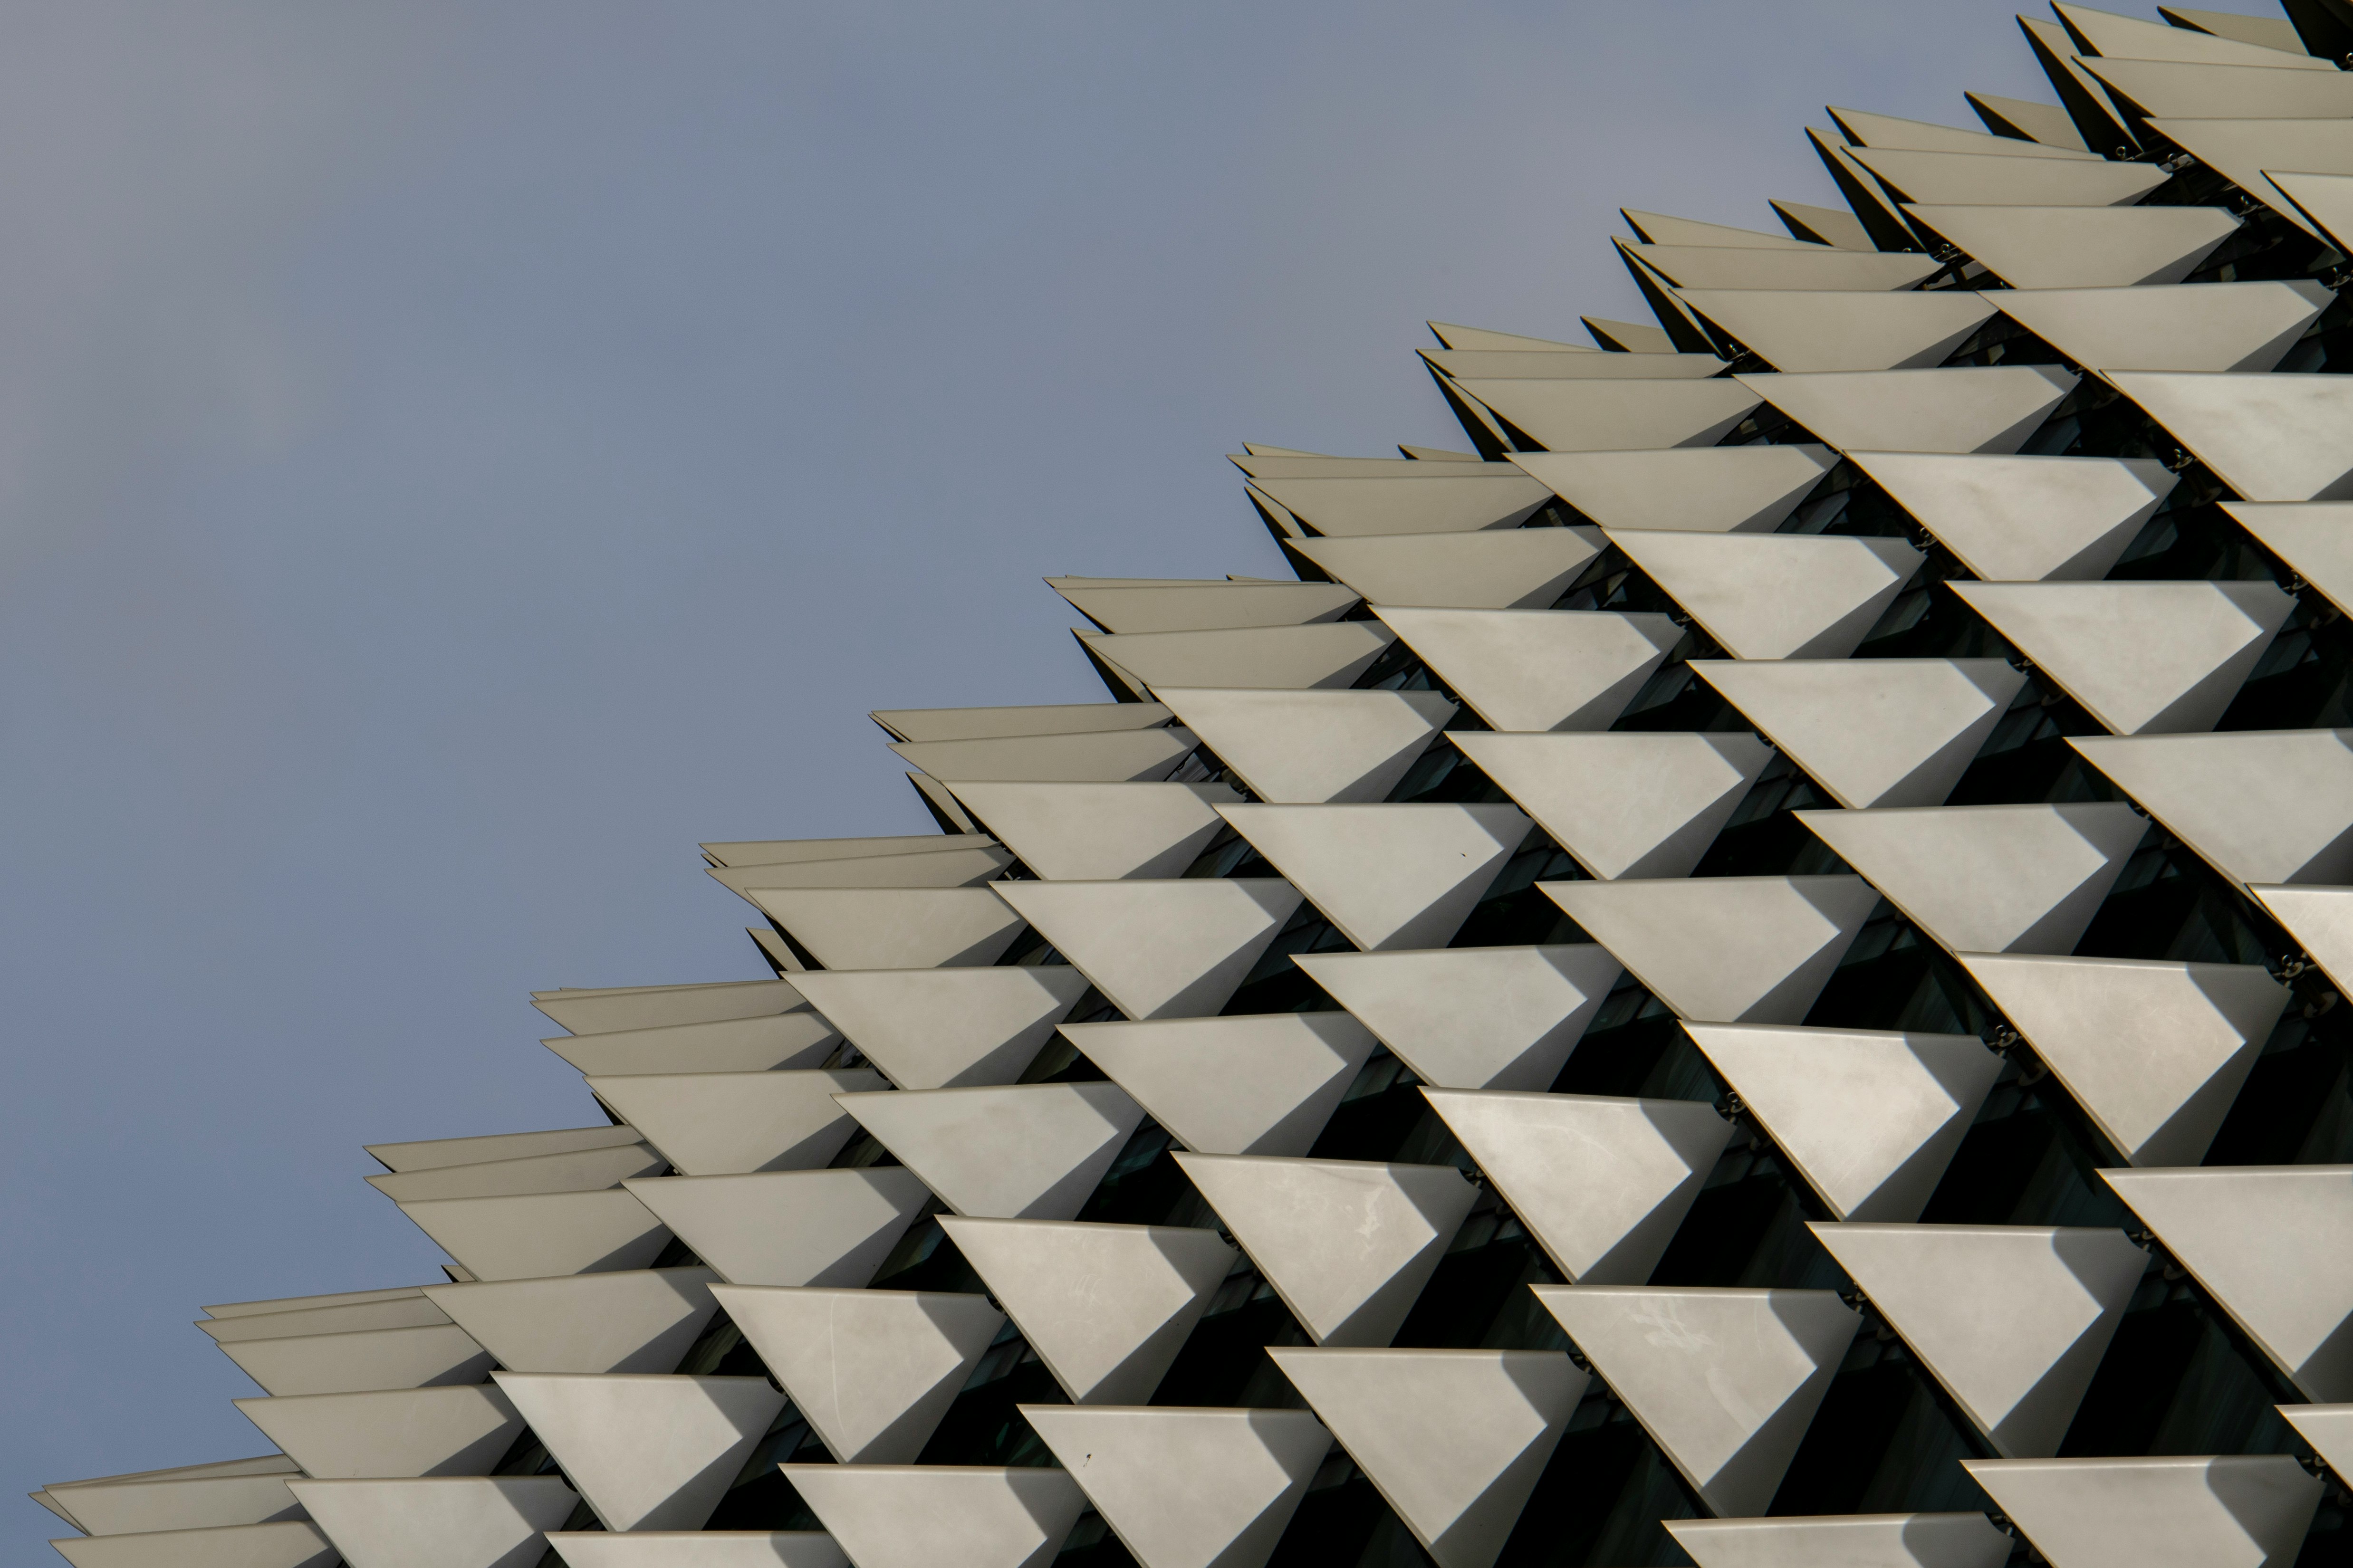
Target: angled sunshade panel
892,928
1624,804
1614,416
2105,33
1989,879
1822,330
1881,732
1539,670
1346,506
590,1170
1202,606
1388,876
1302,747
2011,518
2269,438
1188,1486
871,1370
1970,409
2155,1052
1777,595
2258,805
1898,1539
1100,832
2243,151
1952,179
1348,1245
1658,228
717,1124
911,1516
979,723
1731,950
2012,1321
1017,1151
1823,268
460,1430
1123,756
942,1029
1501,569
2021,120
1106,1306
1600,1184
800,1039
490,1521
2325,200
790,1227
1290,658
1159,949
1870,1118
537,1235
647,1452
431,1357
1725,1381
1454,1439
1474,1017
629,1320
1262,1084
2081,248
286,1544
2188,327
1705,489
2269,1243
2320,920
2158,1512
2311,538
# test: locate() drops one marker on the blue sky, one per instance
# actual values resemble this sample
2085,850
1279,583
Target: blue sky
454,457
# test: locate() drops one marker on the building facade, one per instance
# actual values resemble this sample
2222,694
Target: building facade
1745,972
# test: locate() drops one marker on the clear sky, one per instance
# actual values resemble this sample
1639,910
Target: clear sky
456,457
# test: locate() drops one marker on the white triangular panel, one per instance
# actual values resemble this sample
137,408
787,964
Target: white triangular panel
1624,804
1159,949
942,1029
2328,1429
583,1170
796,1040
389,1434
2025,519
1289,657
1733,950
2012,1320
1989,879
1472,1017
1188,1489
1454,1439
288,1544
1725,1381
2243,152
1404,876
2183,327
1777,595
1106,1306
2324,201
2260,805
1539,670
538,1235
1870,1118
1817,330
1500,569
2273,1245
2155,1052
871,1370
892,928
1600,1184
1261,1084
2314,538
1875,731
1187,606
1613,416
1970,408
429,1356
1864,128
633,1320
1844,1540
2321,922
647,1452
2142,658
1347,1245
2237,1511
1705,489
907,1516
2081,248
1962,179
489,1521
1100,832
790,1227
2269,438
1017,1151
1405,498
724,1123
1314,746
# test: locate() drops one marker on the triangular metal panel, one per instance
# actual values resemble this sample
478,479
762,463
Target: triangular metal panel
1962,179
952,866
871,1370
1120,756
1304,747
2105,33
1615,415
1970,408
1725,1381
1260,1084
791,1040
145,1504
1624,804
1600,1184
2273,1245
538,1235
895,1516
463,1430
360,1361
944,1029
633,1320
1455,1440
1502,569
1862,1541
2241,150
1106,1306
1885,132
1823,225
790,1227
978,723
2269,438
2321,922
1389,876
2012,1319
2023,120
1821,329
1746,267
724,1123
1159,949
2328,1429
892,928
2155,1052
1989,879
656,1007
1347,1245
1029,1151
1472,1017
2260,805
1188,1487
1777,595
589,1170
2081,248
432,1153
1289,659
2025,519
1200,606
2248,1511
2325,200
2183,327
1699,489
645,1452
1870,1118
488,1521
1732,950
1407,497
1876,731
2313,539
288,1544
2177,89
1100,832
1657,228
1539,670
